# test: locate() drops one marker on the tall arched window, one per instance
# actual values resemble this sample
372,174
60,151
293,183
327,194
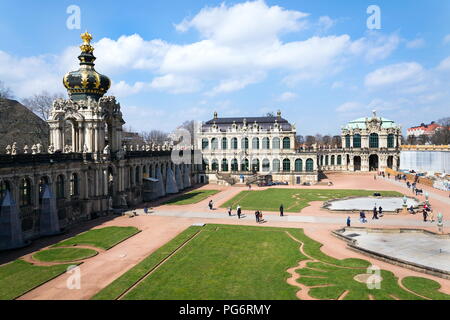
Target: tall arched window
286,143
215,165
205,144
286,165
276,165
234,143
255,143
244,143
390,141
255,165
214,144
74,189
137,176
309,165
60,187
357,141
205,164
43,181
298,165
326,160
265,143
4,186
266,165
224,165
347,141
339,160
332,160
276,143
25,192
245,165
234,165
224,143
373,140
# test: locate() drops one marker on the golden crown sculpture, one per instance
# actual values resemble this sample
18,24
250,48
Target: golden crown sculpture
86,46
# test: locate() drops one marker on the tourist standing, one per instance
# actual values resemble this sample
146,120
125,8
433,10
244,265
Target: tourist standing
257,216
281,210
238,211
348,221
431,214
380,211
229,211
362,217
424,212
210,204
375,213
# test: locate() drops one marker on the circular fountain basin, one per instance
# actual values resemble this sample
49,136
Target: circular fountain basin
390,204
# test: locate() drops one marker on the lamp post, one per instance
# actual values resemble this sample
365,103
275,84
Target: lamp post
440,224
405,206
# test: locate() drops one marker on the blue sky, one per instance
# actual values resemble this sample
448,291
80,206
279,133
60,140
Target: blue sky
172,61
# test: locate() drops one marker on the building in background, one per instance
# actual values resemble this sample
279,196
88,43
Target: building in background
423,129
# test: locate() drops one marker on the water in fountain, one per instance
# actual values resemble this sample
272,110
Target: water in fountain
10,224
171,184
178,178
160,190
186,178
49,221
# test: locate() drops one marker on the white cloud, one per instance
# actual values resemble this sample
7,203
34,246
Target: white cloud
445,64
447,39
375,46
325,23
394,74
287,96
416,43
176,84
349,106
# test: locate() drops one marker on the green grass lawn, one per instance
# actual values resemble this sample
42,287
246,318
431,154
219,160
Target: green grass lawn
425,287
293,200
104,238
192,197
18,277
64,254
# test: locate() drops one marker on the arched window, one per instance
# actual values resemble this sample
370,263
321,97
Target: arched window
234,143
326,160
339,160
130,176
224,165
245,165
309,165
373,140
74,189
205,144
255,143
390,141
332,160
234,165
43,181
347,141
357,141
286,143
214,144
137,176
25,192
205,164
276,143
276,165
266,165
255,165
286,165
298,165
224,143
4,186
60,187
321,160
244,143
215,165
265,143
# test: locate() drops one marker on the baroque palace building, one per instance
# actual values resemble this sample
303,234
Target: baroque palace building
86,171
243,149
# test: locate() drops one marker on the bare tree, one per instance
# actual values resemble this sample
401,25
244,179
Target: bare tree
5,92
310,140
41,103
336,141
442,135
154,136
423,139
189,126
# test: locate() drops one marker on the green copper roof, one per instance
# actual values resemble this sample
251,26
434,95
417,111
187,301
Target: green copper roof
360,123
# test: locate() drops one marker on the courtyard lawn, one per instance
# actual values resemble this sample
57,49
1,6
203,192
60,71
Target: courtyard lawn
64,254
104,238
425,287
19,277
244,262
293,200
191,197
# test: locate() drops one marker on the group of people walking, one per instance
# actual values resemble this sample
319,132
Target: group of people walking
377,213
258,213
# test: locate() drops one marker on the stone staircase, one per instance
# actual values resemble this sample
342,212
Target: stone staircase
225,177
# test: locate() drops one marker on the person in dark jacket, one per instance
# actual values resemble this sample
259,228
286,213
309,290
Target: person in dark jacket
380,211
281,211
238,211
375,213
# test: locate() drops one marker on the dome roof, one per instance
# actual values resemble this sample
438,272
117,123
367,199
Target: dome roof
361,123
86,82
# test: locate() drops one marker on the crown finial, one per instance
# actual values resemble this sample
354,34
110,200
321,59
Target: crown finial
86,46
